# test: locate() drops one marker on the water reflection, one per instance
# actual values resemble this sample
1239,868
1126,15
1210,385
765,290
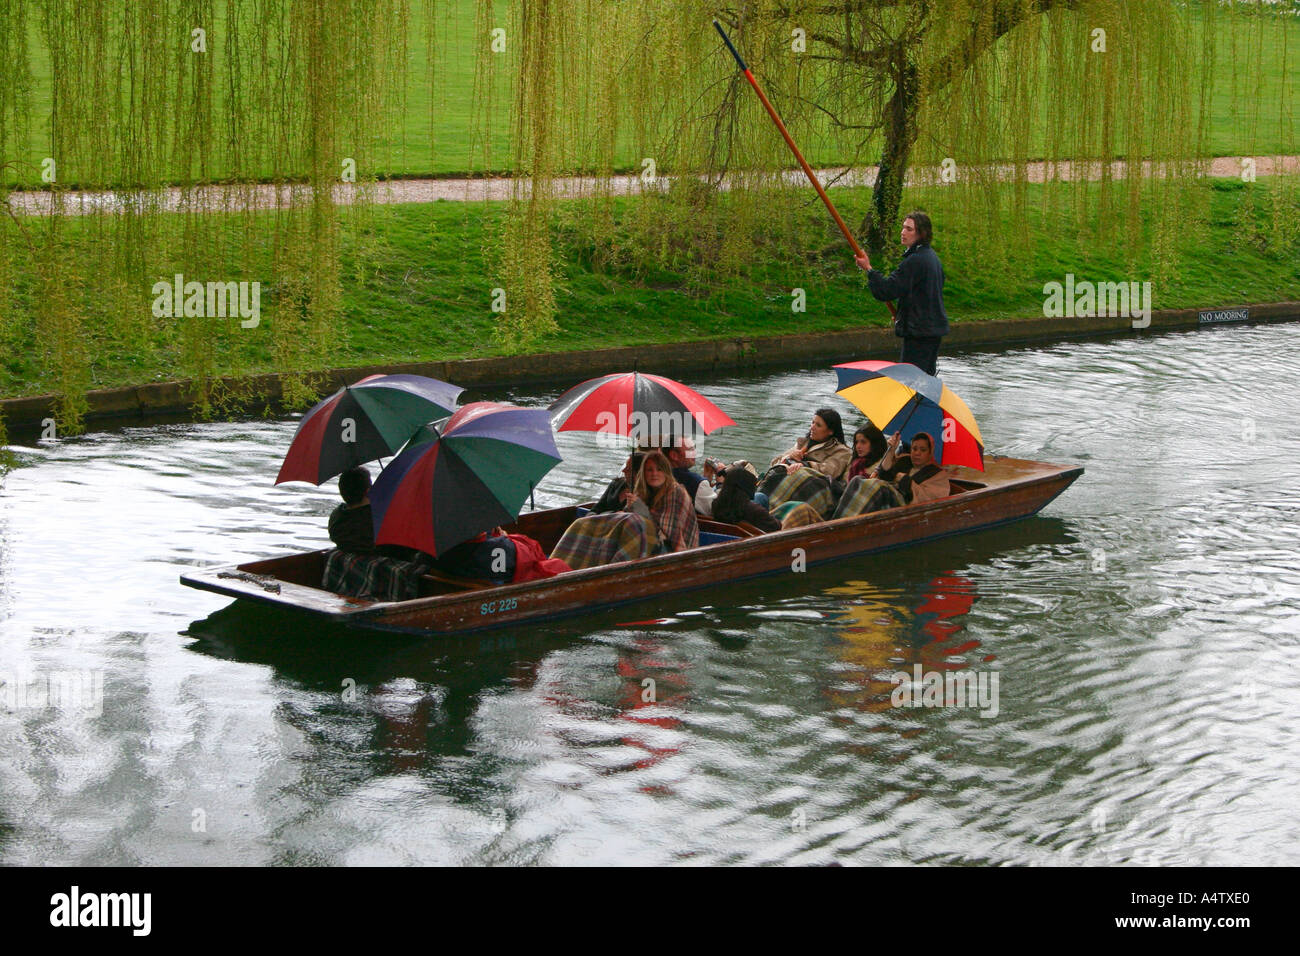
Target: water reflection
1144,632
886,636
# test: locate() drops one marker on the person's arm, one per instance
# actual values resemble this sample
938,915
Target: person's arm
891,455
704,496
886,287
795,454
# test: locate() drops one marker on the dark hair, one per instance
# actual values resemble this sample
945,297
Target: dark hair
642,488
924,228
353,484
737,489
926,435
877,439
832,419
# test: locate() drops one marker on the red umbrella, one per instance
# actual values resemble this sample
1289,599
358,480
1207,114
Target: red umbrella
648,408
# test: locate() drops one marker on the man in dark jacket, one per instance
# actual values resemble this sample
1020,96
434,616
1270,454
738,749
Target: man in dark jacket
917,284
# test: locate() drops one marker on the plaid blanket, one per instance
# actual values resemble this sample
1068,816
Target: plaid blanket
373,576
807,486
674,516
864,495
797,514
605,539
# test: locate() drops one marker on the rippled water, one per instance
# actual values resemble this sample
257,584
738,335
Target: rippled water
1142,633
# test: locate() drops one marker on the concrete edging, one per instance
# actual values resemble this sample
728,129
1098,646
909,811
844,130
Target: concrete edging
163,398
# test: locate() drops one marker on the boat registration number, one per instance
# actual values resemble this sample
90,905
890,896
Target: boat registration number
494,607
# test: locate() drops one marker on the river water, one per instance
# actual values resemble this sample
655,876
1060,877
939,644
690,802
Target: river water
1132,656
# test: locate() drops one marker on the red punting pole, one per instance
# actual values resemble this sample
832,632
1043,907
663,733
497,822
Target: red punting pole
812,177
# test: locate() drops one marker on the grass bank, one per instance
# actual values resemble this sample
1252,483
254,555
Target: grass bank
418,286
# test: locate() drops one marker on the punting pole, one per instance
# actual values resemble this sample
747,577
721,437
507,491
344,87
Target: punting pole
812,177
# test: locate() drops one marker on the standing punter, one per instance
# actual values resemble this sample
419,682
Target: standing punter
917,284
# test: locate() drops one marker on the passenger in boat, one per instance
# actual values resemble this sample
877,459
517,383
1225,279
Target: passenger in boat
657,517
868,448
389,572
869,489
926,480
669,503
810,473
822,450
712,469
616,492
735,500
681,455
499,557
489,556
350,526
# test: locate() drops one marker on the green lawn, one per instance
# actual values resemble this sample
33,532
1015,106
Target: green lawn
432,135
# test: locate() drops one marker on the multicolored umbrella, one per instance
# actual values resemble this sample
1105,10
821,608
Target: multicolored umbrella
362,422
473,472
648,408
899,397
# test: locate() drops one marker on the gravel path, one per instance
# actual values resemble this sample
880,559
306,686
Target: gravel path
232,198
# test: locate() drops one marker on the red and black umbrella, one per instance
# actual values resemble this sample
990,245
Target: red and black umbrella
362,422
648,408
462,476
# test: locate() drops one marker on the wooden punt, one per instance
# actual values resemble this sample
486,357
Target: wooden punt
1008,490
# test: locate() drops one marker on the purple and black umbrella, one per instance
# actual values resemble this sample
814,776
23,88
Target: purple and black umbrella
362,422
463,476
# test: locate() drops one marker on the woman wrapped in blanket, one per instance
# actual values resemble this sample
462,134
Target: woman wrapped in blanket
896,480
670,505
869,448
658,515
809,474
823,449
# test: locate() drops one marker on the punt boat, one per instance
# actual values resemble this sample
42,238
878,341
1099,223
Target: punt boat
1009,489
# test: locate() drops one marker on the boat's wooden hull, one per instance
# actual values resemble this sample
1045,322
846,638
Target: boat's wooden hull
1013,489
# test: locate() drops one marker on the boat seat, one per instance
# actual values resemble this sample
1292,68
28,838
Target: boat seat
457,582
712,537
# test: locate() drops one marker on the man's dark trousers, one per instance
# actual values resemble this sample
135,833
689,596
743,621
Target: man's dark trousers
922,351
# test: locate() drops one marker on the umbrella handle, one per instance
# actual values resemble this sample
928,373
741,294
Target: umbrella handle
917,404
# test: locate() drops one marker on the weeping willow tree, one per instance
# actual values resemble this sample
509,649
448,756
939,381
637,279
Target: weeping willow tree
1103,102
151,104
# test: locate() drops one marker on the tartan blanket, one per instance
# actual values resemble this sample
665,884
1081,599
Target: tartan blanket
864,495
675,521
797,514
605,539
807,486
373,576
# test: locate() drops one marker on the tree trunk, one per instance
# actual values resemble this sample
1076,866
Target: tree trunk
900,136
